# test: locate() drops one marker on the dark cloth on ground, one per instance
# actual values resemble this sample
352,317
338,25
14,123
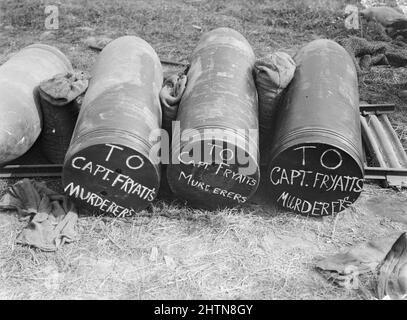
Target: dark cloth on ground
385,257
52,217
392,282
344,268
369,53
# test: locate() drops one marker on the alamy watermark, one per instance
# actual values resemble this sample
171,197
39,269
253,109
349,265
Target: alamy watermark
205,147
52,17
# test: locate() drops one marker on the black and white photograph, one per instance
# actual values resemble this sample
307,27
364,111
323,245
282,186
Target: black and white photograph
203,156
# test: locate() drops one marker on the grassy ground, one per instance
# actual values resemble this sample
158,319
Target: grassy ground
170,251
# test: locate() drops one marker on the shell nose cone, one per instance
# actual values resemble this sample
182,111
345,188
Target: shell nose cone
20,75
18,129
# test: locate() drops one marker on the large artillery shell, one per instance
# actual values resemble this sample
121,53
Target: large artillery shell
20,111
107,166
316,165
215,156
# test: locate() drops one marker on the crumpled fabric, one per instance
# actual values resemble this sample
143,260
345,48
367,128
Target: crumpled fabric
272,74
170,97
392,281
64,88
343,269
52,216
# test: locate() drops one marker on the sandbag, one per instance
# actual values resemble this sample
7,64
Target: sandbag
170,96
272,75
60,107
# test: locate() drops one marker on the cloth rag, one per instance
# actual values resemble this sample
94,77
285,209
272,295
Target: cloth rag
344,268
392,280
52,216
64,88
170,97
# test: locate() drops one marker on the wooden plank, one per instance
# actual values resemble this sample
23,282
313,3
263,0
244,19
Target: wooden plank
31,171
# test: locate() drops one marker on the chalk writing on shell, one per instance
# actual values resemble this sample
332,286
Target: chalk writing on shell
316,183
221,169
201,186
113,179
313,208
97,201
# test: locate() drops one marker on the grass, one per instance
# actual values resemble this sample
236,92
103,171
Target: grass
170,251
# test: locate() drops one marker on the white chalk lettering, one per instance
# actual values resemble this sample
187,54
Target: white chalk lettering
140,160
314,208
97,201
316,180
112,147
121,181
303,152
76,159
200,185
339,157
226,154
